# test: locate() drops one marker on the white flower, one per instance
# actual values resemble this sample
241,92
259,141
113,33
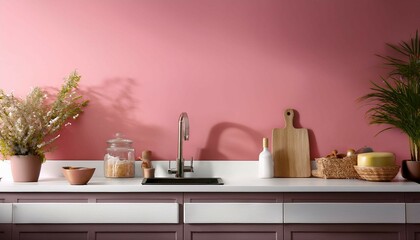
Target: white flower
52,121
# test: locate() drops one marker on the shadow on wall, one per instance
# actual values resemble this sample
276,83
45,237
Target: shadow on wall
112,108
115,107
314,153
213,149
314,150
250,145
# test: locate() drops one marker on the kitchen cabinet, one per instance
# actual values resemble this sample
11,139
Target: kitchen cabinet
5,220
6,231
96,232
355,216
96,216
344,232
233,232
230,216
413,231
205,216
413,215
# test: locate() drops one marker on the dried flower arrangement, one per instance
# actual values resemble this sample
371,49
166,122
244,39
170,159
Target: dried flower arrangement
28,126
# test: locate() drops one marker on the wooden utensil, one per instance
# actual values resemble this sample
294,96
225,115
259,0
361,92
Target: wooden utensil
148,169
145,157
290,147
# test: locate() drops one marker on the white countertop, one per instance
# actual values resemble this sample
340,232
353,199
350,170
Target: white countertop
238,176
98,184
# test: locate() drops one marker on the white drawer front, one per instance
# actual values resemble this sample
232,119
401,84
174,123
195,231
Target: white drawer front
344,213
6,212
233,213
95,213
413,212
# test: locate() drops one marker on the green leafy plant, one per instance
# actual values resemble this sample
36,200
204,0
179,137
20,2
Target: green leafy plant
28,126
396,102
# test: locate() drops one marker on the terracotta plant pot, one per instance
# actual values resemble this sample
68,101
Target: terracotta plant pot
25,168
410,170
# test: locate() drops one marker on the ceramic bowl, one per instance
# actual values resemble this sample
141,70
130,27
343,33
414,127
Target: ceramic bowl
377,174
78,175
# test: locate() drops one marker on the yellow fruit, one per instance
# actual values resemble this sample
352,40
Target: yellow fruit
376,159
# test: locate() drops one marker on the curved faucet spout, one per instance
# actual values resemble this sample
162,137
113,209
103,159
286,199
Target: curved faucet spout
183,135
183,120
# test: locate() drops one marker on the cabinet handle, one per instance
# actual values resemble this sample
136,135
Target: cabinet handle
344,213
95,213
6,212
233,213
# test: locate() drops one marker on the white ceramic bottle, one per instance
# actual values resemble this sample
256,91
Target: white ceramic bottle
265,162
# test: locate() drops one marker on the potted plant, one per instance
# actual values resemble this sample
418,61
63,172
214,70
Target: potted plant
28,126
396,102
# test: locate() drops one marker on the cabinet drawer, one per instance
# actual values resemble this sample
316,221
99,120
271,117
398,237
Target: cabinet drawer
6,212
344,213
95,213
413,212
233,212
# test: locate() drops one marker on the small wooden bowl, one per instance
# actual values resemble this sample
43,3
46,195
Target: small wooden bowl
377,174
78,175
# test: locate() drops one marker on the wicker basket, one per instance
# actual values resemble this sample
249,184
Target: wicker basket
336,167
377,174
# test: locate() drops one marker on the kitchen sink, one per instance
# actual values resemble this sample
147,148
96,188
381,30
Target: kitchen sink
182,181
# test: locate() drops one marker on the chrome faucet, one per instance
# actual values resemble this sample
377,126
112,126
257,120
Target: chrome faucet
183,135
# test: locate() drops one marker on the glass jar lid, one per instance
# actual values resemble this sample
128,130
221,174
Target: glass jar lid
119,141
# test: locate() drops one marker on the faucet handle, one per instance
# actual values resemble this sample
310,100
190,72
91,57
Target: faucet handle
192,164
170,170
191,167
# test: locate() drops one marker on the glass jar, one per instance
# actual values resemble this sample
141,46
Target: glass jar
119,161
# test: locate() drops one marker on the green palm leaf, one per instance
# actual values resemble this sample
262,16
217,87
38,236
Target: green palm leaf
396,102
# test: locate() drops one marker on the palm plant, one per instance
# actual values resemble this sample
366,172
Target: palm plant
396,102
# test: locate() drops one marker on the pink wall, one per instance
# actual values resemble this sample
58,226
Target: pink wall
233,65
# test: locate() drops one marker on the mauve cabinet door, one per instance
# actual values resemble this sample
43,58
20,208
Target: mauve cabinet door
344,232
228,204
233,232
97,232
413,231
5,231
50,232
136,236
52,236
138,232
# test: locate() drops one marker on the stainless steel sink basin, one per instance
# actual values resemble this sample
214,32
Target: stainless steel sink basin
182,181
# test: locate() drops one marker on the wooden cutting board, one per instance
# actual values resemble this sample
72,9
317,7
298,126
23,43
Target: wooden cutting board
290,148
